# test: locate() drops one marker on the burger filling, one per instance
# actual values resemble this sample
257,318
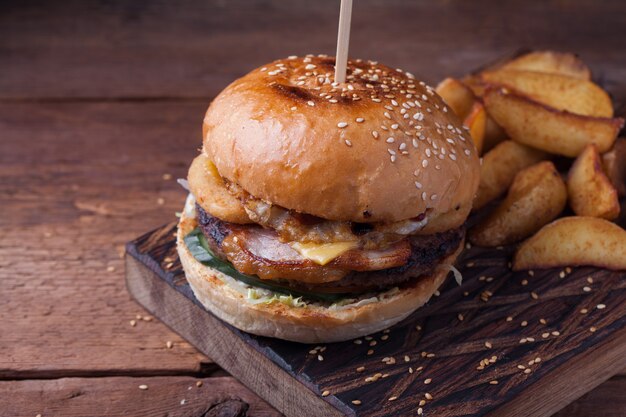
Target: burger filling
298,255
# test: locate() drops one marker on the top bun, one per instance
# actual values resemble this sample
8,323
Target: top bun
382,146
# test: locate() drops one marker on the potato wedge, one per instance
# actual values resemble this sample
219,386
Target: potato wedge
572,241
494,134
457,95
590,191
558,91
499,167
614,162
536,197
534,124
476,122
550,62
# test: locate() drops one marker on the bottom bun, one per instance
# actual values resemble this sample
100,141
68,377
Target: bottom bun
312,323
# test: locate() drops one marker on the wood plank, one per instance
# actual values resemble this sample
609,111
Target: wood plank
76,182
121,396
567,353
608,400
119,49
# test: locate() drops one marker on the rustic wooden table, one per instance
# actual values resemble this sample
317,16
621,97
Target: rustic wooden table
100,111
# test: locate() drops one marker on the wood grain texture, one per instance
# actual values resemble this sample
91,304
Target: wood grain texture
514,321
116,49
75,184
121,396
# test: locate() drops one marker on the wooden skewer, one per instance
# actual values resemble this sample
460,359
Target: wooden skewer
343,40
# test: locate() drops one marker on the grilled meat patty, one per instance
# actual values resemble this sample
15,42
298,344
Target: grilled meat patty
262,254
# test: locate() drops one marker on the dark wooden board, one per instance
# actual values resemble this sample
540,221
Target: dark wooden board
573,357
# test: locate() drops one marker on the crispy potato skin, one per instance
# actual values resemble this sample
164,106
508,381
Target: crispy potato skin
590,191
614,162
499,167
550,62
536,197
476,122
543,127
572,241
457,95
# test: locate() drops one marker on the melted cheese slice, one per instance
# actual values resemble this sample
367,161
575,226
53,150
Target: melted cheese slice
323,253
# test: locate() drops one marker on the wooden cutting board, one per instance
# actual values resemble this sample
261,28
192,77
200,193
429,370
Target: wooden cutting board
503,343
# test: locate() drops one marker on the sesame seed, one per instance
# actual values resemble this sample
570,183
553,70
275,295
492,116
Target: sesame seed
545,335
384,337
356,402
424,163
394,126
556,333
387,115
428,381
133,323
310,103
143,387
169,344
601,306
359,120
524,323
348,142
360,369
527,371
494,382
534,295
370,352
390,140
402,146
325,393
592,329
358,342
460,317
583,311
543,321
424,195
393,398
586,289
342,125
320,358
488,345
524,282
433,197
590,280
375,134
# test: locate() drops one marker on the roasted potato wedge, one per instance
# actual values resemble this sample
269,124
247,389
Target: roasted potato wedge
614,162
590,191
499,167
557,91
494,134
476,122
571,241
457,95
536,197
534,124
550,62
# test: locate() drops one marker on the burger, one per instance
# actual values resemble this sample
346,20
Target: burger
322,211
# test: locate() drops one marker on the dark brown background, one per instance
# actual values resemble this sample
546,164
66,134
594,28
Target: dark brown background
99,99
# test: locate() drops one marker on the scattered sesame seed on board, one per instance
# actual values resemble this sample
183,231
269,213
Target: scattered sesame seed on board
420,411
133,323
422,402
592,329
169,344
360,369
428,381
143,387
524,323
534,295
494,382
199,384
356,402
488,345
601,306
586,289
325,393
370,352
393,398
320,358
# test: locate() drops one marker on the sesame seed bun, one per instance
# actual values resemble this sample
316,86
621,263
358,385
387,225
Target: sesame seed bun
381,147
219,294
